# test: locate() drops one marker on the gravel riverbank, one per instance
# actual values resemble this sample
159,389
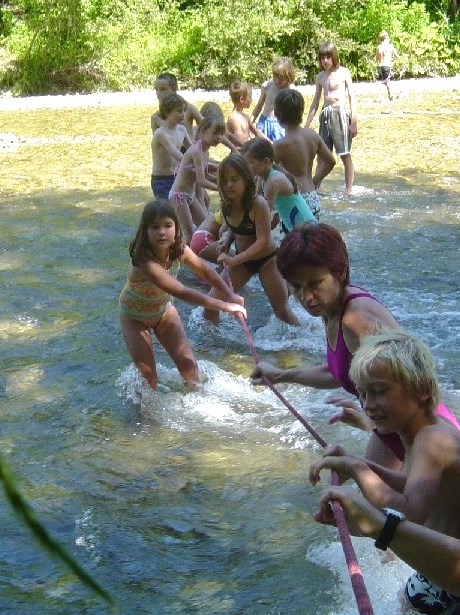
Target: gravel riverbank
145,97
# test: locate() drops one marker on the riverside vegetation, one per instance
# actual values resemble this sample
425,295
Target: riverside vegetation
57,46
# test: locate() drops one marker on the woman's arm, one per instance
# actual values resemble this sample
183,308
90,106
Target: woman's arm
318,376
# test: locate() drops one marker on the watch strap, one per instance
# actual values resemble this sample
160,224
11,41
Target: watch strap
387,532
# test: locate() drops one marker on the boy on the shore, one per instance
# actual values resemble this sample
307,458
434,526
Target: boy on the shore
239,124
297,150
167,143
384,57
336,126
396,379
166,83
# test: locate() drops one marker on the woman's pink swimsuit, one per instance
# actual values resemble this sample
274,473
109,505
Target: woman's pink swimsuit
339,361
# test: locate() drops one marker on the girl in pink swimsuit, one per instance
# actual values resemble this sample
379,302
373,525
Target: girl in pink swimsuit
314,261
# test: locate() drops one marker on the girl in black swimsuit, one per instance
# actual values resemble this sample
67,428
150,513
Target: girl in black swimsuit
247,215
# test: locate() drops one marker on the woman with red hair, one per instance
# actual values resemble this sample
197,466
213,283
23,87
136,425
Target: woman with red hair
313,259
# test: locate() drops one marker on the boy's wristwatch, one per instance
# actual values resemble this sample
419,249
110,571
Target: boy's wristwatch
393,518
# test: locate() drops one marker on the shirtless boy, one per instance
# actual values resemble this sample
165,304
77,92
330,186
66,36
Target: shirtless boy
297,150
336,126
239,124
384,57
167,142
396,378
166,83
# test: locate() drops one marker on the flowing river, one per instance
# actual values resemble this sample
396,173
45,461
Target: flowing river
179,502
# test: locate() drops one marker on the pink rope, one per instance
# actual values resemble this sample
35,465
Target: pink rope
356,576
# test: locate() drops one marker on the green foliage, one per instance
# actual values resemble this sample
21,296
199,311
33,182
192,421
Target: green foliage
23,510
87,45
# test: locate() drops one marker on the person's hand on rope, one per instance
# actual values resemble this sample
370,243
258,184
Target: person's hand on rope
363,518
335,458
264,369
351,414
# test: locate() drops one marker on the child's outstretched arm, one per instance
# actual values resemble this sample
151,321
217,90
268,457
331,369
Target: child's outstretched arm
232,302
260,104
315,102
201,164
168,145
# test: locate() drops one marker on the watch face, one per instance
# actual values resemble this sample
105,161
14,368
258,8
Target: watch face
394,513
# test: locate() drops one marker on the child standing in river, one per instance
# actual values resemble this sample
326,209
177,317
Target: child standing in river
157,252
336,126
279,190
193,172
384,57
283,77
247,215
167,142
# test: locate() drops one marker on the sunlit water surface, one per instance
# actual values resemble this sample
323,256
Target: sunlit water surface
181,502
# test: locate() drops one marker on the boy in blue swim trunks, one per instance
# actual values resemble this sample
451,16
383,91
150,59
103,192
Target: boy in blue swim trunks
167,142
336,126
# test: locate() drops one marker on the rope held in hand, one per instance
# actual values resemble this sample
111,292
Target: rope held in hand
356,576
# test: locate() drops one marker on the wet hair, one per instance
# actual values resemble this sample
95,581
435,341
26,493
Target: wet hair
240,166
328,49
239,90
383,35
171,102
315,245
140,249
406,356
210,121
289,106
171,79
284,69
260,149
211,108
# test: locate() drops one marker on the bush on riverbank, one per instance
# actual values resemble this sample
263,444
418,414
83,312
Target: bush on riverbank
51,46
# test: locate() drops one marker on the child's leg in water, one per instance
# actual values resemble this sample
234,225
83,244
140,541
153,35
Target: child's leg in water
139,344
276,290
171,335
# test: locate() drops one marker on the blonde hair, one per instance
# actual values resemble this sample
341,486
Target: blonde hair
284,69
239,90
405,355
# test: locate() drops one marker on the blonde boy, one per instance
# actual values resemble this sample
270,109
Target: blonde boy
167,142
166,83
239,123
396,378
336,126
283,73
297,150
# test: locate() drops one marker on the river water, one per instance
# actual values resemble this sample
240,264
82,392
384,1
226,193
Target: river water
183,502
